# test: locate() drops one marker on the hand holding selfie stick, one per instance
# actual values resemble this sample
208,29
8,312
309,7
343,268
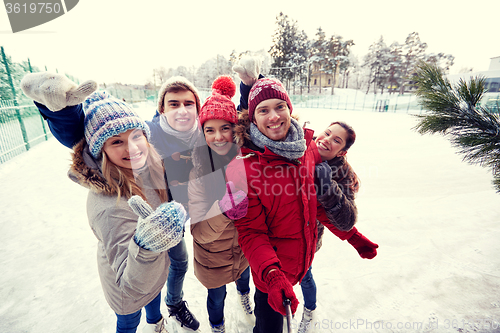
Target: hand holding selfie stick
287,303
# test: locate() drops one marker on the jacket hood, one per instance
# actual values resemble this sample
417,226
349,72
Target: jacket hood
85,170
242,129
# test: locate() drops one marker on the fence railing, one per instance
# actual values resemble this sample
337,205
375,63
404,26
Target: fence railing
359,101
347,99
22,126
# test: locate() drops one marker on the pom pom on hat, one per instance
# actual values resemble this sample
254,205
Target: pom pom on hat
224,85
219,105
265,89
106,116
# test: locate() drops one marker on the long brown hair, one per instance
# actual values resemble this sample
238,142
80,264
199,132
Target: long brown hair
127,184
348,170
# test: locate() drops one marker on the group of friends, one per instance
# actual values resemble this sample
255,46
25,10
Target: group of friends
256,187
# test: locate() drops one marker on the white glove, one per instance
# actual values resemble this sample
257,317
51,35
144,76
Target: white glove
55,91
158,230
248,69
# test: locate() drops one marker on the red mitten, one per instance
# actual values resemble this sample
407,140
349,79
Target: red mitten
366,248
278,289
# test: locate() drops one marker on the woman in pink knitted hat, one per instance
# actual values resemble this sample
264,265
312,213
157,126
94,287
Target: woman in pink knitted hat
213,205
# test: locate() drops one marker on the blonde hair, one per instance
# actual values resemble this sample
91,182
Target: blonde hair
126,184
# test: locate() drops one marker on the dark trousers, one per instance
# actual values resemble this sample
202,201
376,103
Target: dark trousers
309,290
128,323
216,297
266,319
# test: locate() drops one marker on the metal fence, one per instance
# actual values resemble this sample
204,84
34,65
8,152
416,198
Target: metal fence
347,99
22,126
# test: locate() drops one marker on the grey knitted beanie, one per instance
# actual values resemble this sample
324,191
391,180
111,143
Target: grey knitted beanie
176,83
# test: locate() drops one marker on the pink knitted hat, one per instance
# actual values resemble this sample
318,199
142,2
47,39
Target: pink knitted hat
219,104
264,89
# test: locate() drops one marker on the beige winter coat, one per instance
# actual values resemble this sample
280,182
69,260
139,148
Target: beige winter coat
131,276
218,259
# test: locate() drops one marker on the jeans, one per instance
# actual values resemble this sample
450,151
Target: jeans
309,290
128,323
266,319
177,270
216,297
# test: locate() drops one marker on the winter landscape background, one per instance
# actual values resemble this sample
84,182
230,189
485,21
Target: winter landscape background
435,218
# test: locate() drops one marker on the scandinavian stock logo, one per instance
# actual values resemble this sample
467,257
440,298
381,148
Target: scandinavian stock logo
28,14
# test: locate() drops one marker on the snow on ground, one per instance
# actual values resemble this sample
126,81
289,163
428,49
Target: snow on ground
436,219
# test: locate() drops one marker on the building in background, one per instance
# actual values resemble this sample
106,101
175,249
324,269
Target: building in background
321,79
492,76
492,81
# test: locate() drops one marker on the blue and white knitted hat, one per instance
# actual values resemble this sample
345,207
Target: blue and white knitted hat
106,116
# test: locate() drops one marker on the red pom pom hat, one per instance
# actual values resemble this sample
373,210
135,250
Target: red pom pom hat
219,105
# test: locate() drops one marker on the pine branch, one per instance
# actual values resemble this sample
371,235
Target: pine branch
454,111
496,181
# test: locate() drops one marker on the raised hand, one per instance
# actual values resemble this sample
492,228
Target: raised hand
248,69
55,91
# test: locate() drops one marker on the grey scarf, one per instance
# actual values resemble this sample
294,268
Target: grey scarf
293,147
189,137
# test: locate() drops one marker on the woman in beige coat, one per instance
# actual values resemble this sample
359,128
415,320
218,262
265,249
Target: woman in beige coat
213,205
126,179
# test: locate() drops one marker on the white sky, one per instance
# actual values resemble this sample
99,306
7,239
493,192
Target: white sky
116,41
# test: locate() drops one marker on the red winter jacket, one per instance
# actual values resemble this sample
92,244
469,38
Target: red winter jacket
280,228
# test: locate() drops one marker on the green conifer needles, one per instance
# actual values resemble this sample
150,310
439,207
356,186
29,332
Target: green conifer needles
454,111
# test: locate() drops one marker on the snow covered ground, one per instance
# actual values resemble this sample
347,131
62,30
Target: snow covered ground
436,219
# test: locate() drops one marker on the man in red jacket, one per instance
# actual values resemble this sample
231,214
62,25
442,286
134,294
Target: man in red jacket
279,233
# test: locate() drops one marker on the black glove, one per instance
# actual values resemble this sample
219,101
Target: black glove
323,178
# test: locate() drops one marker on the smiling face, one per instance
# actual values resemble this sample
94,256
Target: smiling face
128,149
180,110
219,135
272,118
331,142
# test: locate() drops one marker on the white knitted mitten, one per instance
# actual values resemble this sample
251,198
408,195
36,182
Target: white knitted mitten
55,91
248,69
161,229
